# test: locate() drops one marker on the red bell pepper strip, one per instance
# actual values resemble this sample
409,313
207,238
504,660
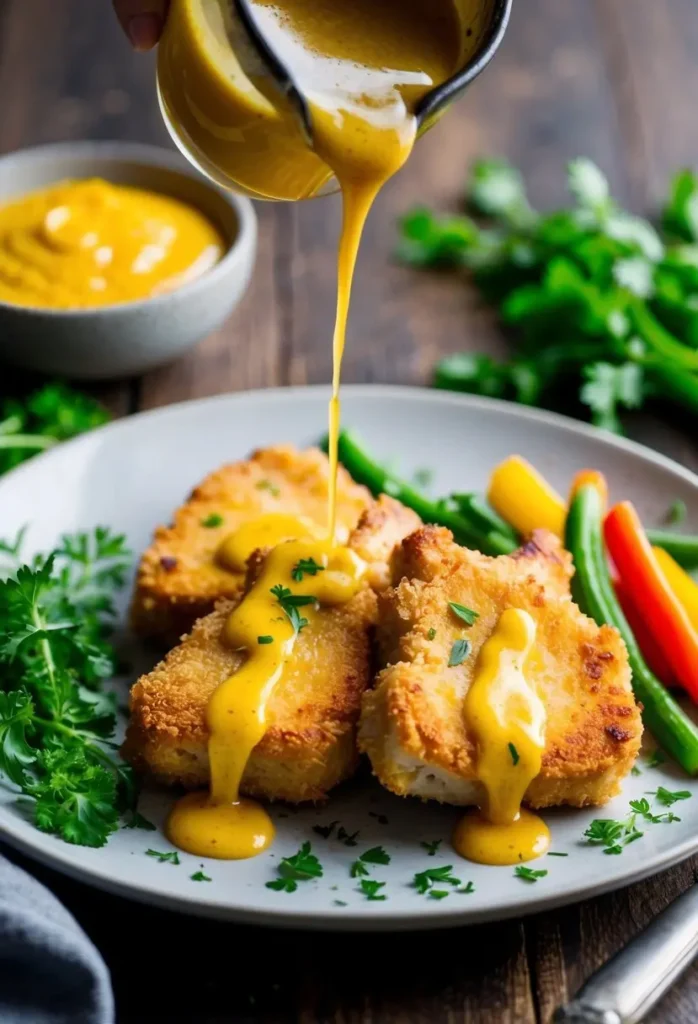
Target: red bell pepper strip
651,651
663,615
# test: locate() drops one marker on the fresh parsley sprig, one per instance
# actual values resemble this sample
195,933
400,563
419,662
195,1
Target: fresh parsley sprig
54,413
56,720
600,301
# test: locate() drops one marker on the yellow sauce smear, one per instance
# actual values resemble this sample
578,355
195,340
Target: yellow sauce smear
83,244
266,531
507,718
220,823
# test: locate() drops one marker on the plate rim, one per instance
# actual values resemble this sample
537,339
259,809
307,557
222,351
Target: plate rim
349,920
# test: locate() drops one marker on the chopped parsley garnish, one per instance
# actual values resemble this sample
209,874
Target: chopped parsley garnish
423,881
164,858
431,848
199,876
666,797
325,830
438,894
554,853
656,758
612,835
290,603
371,889
301,867
635,770
338,903
265,639
306,567
459,652
267,485
529,874
376,855
347,838
466,614
514,754
677,512
213,520
137,820
431,635
467,888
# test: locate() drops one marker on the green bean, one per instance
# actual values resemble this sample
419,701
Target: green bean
478,511
682,547
593,592
467,530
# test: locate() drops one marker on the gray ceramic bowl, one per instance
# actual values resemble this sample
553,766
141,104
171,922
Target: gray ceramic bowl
125,339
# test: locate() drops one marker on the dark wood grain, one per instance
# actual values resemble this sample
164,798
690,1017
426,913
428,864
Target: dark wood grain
604,78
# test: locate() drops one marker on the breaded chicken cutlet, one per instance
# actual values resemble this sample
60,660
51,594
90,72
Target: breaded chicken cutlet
179,578
412,724
310,742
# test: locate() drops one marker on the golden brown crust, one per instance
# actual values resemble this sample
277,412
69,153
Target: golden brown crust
178,578
413,718
310,743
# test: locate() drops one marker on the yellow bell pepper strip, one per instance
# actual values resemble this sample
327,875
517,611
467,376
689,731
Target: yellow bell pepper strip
524,499
661,611
685,589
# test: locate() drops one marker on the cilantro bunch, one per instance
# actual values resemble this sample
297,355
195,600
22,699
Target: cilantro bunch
57,722
52,414
601,305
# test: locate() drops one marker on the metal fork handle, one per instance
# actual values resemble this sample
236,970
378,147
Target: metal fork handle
626,988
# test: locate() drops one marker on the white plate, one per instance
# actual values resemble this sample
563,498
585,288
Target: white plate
131,475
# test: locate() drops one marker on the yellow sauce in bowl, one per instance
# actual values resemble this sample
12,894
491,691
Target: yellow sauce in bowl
85,244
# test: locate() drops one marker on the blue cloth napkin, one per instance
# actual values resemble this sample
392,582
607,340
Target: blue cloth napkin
50,973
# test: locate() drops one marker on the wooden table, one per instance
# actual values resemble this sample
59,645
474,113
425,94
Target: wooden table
616,80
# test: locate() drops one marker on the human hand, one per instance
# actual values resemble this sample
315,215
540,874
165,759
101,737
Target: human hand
142,20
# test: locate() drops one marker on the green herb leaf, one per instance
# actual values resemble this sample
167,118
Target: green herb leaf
438,894
468,616
282,885
325,830
264,640
172,857
306,567
199,876
213,520
290,603
553,853
371,889
459,652
348,839
431,635
529,874
302,866
514,754
358,869
668,798
423,881
467,888
432,848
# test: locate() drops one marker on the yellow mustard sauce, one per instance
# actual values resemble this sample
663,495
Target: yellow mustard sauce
266,531
507,718
283,600
83,244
